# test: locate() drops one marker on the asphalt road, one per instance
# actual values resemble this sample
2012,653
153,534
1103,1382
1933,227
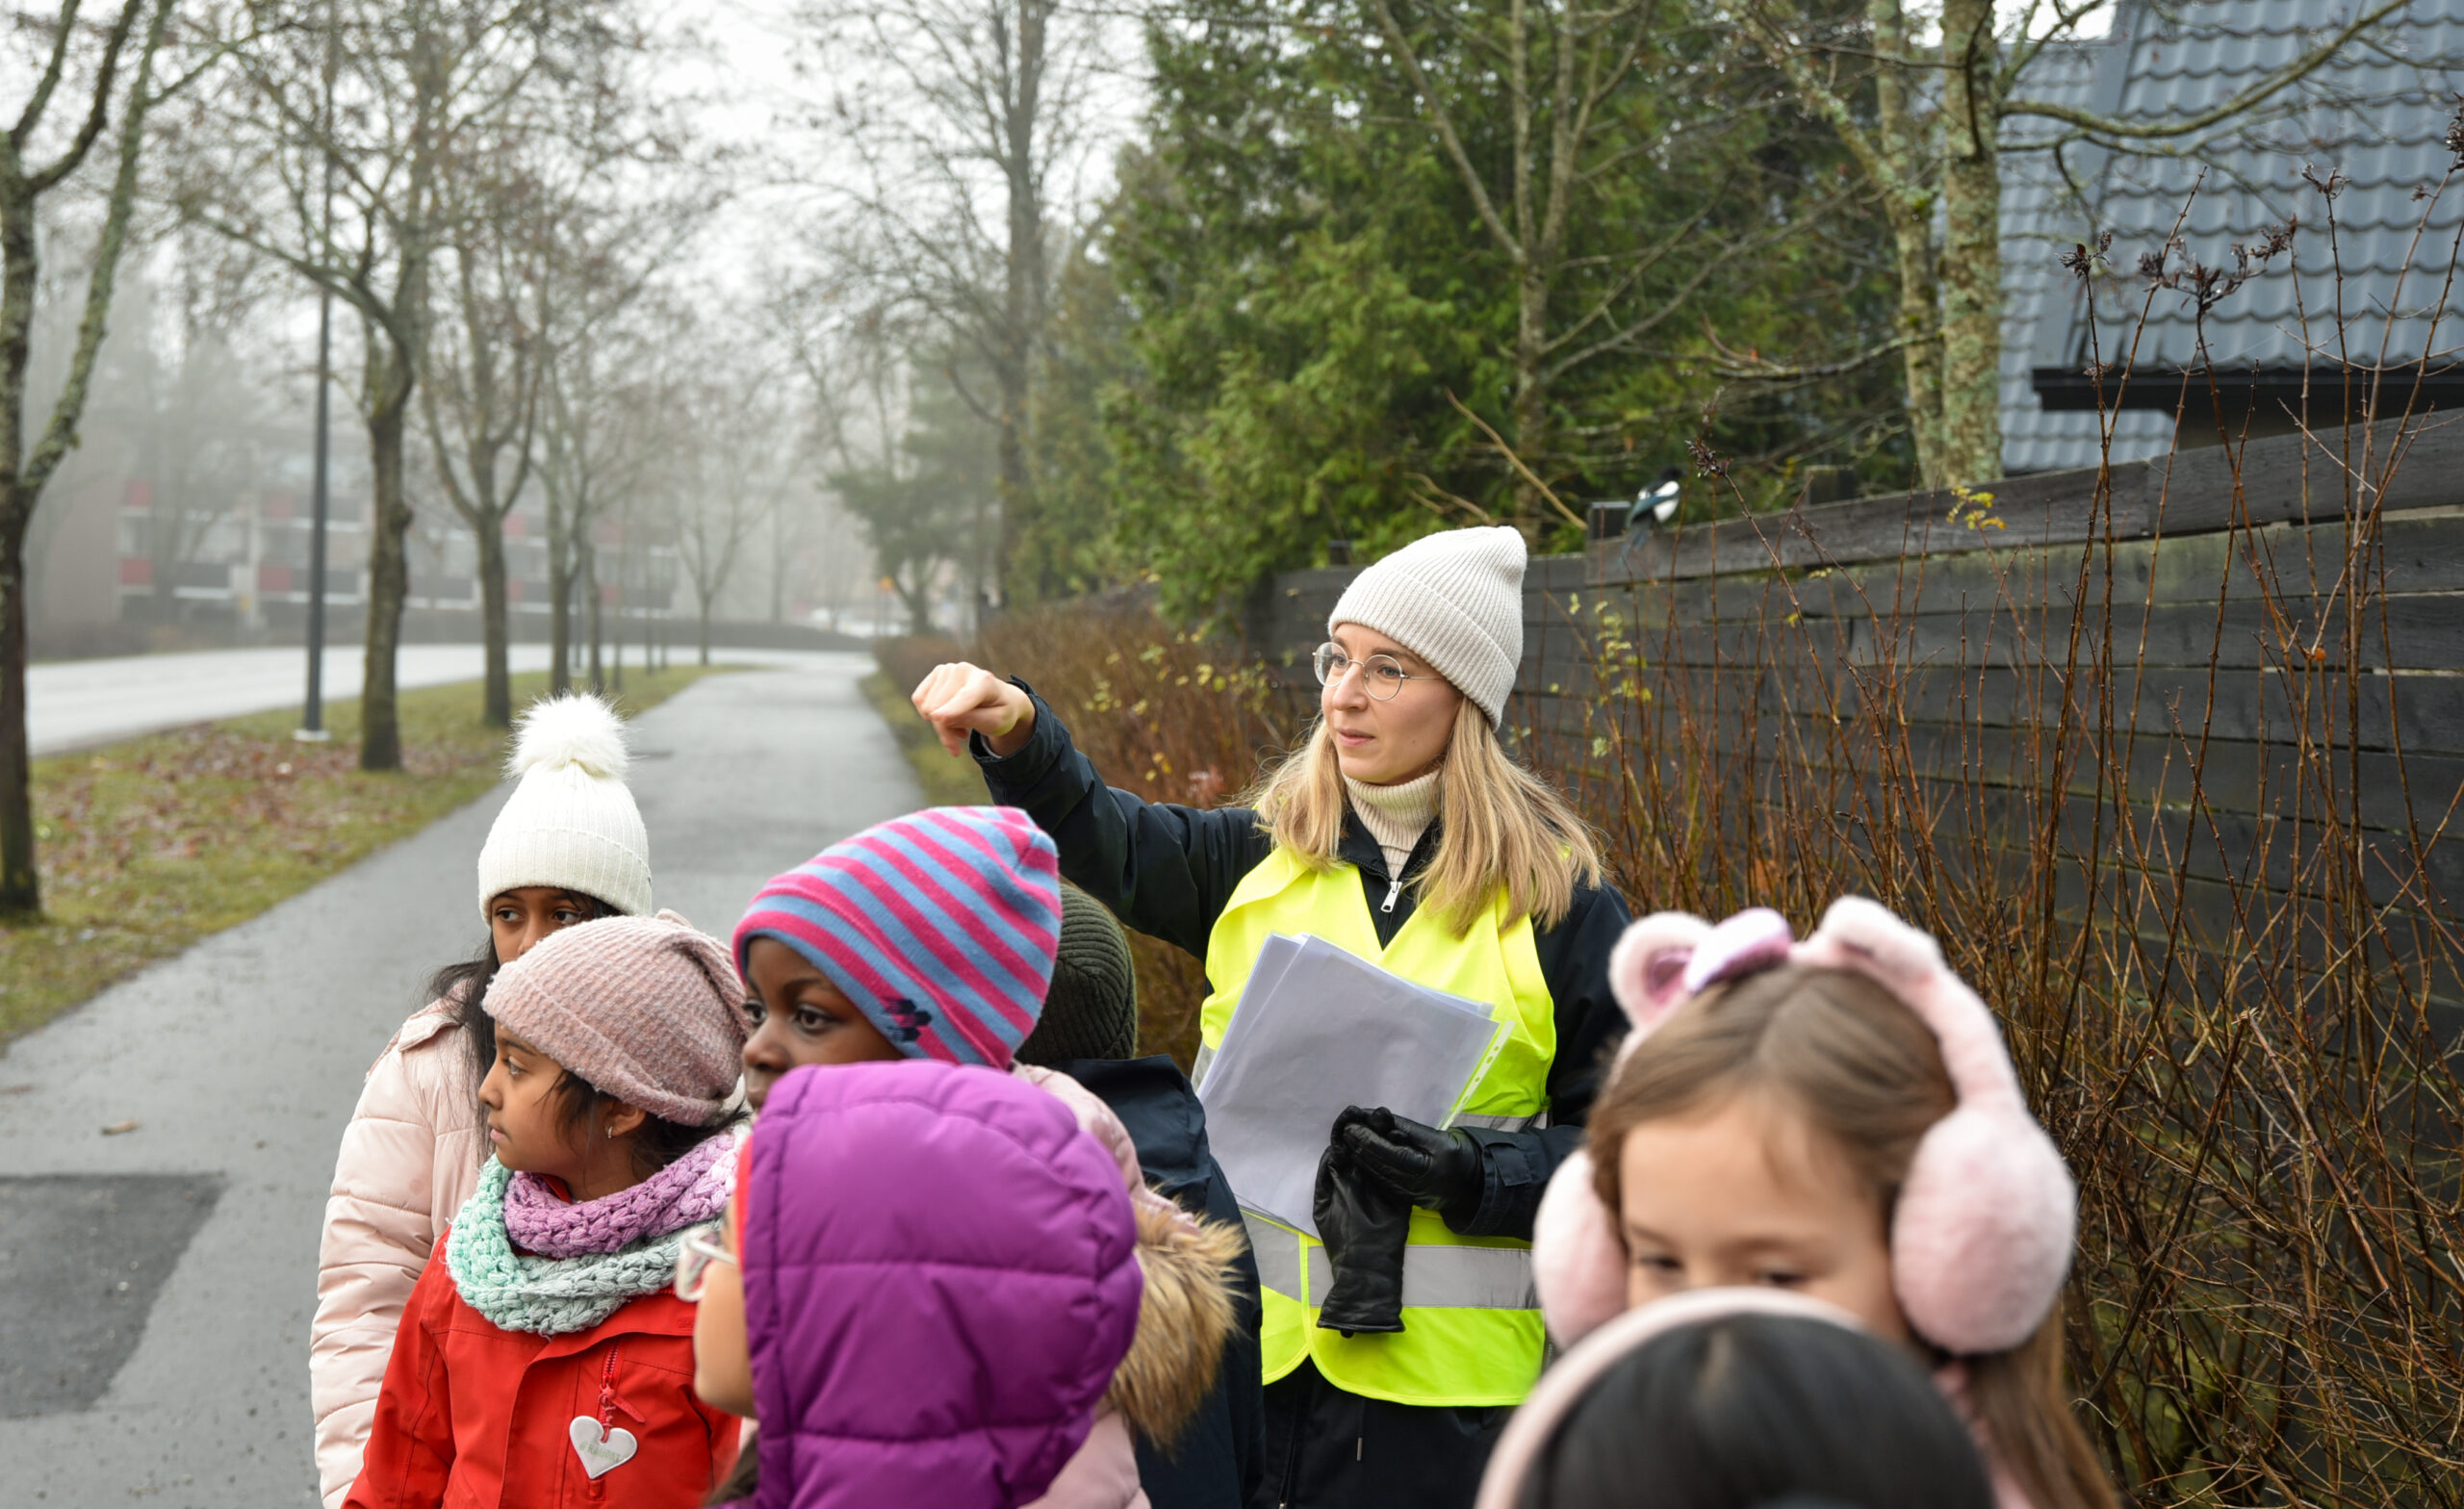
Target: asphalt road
156,1285
76,704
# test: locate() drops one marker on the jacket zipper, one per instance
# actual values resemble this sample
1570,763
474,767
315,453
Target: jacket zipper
1394,889
595,1488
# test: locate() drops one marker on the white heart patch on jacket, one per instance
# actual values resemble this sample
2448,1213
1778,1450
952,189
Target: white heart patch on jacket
601,1454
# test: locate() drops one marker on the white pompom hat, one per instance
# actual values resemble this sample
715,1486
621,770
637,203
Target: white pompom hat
571,823
1454,599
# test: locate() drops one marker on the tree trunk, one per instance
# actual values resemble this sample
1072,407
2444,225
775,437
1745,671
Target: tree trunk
778,560
560,592
20,884
1016,484
918,602
1530,408
706,631
590,611
389,580
1530,405
1023,295
167,549
23,472
1899,141
1921,358
1971,266
495,628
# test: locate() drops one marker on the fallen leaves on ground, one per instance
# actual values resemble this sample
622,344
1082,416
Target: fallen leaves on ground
149,845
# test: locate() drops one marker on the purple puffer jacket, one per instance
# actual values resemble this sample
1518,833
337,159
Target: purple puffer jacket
940,1279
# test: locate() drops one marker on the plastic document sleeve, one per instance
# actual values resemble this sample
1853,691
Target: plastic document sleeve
1318,1029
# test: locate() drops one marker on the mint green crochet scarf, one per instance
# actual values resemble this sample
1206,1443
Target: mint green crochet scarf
546,1296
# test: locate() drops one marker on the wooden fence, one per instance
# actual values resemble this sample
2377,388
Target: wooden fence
2216,673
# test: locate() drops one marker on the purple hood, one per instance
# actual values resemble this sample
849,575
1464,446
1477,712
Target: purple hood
940,1278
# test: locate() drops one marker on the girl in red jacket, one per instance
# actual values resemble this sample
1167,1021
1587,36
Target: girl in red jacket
546,1361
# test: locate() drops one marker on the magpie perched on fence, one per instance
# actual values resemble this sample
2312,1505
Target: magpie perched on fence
1656,504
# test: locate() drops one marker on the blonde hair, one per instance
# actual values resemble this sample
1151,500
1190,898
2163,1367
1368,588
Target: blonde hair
1869,1078
1500,824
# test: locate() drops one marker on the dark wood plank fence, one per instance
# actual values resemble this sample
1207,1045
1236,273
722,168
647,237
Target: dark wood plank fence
2211,677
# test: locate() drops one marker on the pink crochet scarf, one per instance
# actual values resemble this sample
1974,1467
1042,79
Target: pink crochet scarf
689,1192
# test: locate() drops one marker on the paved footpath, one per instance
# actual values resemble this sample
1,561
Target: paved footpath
76,704
240,1062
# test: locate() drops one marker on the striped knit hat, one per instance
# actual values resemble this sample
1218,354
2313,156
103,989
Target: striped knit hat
940,926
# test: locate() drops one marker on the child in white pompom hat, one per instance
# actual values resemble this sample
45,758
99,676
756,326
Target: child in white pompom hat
568,846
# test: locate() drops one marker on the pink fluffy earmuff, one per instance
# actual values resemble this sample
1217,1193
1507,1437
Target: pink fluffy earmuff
1982,1233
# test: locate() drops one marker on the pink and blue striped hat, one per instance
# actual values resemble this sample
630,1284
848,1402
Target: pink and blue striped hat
940,926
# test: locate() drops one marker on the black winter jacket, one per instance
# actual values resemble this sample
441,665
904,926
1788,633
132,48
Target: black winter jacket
1167,871
1220,1458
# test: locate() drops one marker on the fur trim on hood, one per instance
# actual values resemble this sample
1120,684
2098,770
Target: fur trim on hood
1184,1318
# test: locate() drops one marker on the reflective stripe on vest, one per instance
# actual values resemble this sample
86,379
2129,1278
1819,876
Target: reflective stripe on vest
1472,1330
1448,1278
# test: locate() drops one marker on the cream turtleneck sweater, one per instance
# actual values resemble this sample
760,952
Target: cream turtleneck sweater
1396,815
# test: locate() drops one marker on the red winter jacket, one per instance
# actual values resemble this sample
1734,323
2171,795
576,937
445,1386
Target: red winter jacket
472,1416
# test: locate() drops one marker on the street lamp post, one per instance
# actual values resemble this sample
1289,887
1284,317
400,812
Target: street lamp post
312,714
311,717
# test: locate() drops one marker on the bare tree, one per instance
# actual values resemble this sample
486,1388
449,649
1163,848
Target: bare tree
596,435
606,324
884,411
555,234
34,165
734,475
480,403
968,119
333,151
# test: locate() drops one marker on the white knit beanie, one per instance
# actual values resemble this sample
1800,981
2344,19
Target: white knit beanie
571,823
1454,599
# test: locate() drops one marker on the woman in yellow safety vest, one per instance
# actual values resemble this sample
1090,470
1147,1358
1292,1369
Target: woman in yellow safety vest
1403,831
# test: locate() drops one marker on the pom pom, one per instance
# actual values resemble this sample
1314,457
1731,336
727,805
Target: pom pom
577,730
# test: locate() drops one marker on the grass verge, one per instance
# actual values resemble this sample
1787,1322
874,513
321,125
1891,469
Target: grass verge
946,781
149,845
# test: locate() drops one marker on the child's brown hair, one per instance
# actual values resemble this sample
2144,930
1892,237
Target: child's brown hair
1867,1075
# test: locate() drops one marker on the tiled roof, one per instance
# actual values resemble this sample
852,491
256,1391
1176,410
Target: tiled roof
2378,113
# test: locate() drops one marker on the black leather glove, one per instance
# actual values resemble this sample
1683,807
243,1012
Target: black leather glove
1365,1224
1440,1170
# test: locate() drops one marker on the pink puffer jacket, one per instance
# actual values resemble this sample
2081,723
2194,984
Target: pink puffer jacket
1183,1313
409,1157
1103,1473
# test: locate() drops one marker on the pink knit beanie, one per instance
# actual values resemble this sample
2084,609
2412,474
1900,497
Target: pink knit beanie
644,1009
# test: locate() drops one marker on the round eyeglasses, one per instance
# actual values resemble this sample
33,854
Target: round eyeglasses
1383,676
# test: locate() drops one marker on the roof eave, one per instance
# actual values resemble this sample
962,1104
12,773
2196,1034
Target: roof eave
2291,388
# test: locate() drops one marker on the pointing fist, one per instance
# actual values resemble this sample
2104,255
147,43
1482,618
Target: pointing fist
959,699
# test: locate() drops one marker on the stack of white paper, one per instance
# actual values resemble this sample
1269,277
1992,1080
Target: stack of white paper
1318,1029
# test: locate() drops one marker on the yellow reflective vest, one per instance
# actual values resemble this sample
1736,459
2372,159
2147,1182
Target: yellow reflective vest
1472,1329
